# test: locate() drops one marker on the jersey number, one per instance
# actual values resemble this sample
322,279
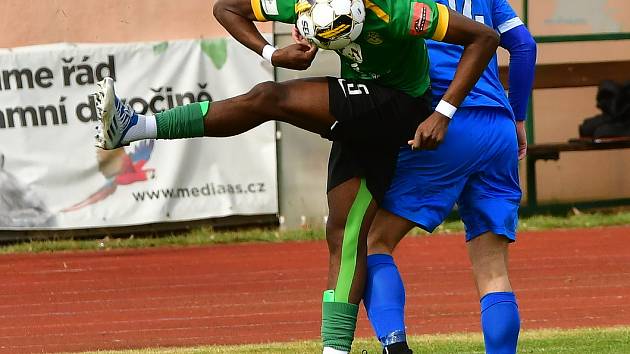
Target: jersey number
350,88
466,10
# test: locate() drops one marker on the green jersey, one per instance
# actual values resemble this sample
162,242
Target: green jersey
391,49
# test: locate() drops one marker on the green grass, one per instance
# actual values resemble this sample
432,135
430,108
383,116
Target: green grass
544,222
197,237
583,341
208,236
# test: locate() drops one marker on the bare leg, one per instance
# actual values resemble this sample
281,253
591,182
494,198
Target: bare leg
302,103
488,254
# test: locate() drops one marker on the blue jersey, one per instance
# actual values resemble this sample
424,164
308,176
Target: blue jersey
444,58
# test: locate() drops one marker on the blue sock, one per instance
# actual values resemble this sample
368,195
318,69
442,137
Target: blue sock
500,322
384,299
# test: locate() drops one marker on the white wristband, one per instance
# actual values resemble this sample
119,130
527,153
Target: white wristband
446,109
267,52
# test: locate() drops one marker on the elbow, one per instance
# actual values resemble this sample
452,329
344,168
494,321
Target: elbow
490,39
486,39
527,48
218,9
524,40
531,46
519,41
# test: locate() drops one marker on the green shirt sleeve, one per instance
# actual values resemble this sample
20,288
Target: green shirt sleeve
419,18
274,10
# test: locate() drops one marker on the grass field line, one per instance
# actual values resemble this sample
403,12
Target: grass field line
583,341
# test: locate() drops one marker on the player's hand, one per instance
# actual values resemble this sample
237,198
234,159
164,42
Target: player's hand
297,56
297,37
431,132
521,134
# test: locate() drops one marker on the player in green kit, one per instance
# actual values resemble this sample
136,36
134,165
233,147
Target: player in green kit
380,103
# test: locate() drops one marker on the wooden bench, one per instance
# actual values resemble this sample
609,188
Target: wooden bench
551,151
551,76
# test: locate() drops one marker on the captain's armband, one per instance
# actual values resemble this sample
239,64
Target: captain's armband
274,10
442,25
258,11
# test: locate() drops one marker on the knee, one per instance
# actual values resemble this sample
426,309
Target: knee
492,277
267,94
378,242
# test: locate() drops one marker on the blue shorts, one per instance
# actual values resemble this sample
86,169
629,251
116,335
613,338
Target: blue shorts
476,166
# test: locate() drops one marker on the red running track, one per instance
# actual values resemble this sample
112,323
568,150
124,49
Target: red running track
253,293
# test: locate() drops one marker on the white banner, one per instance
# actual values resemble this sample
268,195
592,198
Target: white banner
52,176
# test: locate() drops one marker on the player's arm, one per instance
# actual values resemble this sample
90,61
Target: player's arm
480,43
522,48
517,40
238,16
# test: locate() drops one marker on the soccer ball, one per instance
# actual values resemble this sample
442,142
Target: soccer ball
330,24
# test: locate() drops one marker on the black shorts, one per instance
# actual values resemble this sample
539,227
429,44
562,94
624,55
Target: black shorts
373,122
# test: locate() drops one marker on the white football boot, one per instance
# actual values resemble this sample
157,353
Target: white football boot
114,118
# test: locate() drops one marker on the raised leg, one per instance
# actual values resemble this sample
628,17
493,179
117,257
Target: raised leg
302,103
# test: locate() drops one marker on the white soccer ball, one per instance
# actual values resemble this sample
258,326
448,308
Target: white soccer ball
330,24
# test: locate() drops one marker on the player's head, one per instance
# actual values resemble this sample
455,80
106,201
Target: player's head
330,24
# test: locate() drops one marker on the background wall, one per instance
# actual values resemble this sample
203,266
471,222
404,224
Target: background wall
303,156
27,22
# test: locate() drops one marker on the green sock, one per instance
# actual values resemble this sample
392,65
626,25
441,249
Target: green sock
182,122
339,320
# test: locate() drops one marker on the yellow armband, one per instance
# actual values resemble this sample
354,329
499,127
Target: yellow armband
258,13
442,25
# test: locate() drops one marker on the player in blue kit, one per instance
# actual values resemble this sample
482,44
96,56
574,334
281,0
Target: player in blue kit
476,167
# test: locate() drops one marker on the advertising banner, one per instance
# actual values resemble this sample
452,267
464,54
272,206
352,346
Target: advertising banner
52,176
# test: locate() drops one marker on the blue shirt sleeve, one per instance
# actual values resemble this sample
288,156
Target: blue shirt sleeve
503,16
